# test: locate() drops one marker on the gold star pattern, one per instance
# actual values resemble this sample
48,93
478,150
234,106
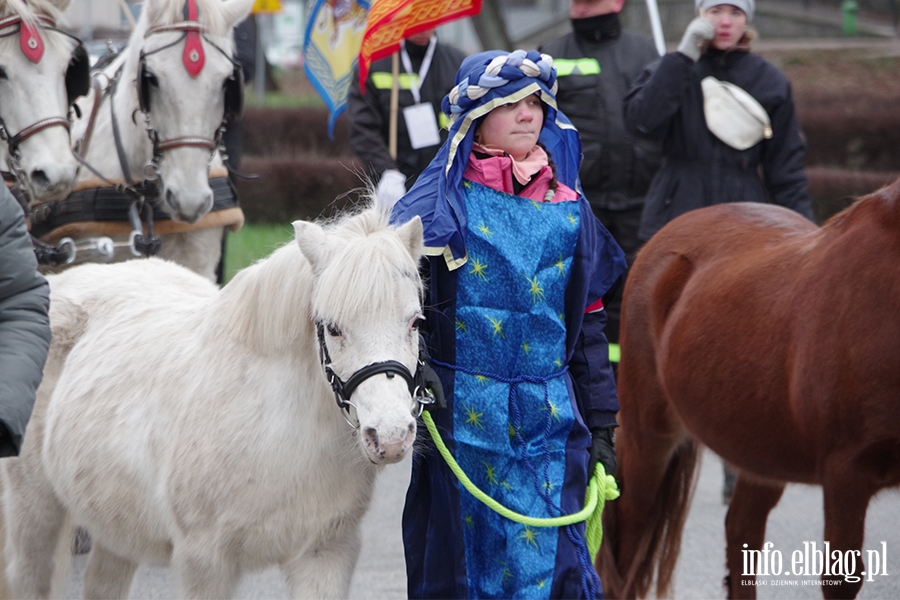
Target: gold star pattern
541,583
537,204
478,269
481,379
485,230
473,417
530,536
526,348
560,265
506,485
572,219
558,363
511,430
561,317
467,184
470,522
554,412
497,326
461,326
548,486
490,473
507,574
537,292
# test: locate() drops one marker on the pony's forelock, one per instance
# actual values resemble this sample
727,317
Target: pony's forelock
362,282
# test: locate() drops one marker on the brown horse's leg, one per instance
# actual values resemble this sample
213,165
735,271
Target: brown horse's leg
745,530
846,502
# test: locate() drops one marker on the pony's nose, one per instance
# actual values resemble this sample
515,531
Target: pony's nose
389,446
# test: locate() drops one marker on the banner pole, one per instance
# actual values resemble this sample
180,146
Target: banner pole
395,102
656,26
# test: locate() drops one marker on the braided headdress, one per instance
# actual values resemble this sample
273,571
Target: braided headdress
484,82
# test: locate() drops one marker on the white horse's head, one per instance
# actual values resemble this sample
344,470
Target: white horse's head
180,66
42,70
367,306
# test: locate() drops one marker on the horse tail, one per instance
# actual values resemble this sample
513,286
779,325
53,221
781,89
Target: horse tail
659,545
655,455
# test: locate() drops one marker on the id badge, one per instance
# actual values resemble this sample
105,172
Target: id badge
421,125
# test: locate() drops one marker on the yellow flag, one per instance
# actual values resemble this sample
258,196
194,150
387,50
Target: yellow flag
266,6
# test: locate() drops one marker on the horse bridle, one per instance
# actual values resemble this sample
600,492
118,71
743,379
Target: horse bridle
77,84
150,243
193,58
343,390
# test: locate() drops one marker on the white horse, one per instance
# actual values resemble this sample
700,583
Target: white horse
164,97
42,70
195,426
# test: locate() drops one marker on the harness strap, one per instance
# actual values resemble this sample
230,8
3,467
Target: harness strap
111,204
99,94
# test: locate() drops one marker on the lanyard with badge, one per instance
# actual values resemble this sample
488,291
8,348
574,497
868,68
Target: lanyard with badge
421,123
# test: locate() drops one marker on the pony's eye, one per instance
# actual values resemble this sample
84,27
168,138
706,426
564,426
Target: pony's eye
416,322
334,330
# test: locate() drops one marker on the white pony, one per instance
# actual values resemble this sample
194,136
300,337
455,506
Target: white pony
165,97
42,70
196,426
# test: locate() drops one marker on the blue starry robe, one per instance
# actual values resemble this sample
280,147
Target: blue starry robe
515,361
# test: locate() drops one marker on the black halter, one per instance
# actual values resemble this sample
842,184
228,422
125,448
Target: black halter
417,383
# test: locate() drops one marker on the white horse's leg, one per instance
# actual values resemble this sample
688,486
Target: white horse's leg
34,521
204,572
325,569
108,575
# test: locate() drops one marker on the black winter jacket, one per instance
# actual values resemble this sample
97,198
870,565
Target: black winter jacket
369,113
666,103
24,325
617,166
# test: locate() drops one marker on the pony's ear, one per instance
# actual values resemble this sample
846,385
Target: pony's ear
236,11
411,235
314,244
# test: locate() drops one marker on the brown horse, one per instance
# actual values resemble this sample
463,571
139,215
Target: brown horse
776,343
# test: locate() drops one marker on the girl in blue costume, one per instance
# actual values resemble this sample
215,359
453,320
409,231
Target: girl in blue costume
514,327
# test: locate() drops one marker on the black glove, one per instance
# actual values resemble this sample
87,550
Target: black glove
602,450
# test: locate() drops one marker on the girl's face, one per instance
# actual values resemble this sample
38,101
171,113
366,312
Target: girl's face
513,128
730,22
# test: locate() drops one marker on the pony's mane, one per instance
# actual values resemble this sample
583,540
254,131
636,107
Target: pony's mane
267,304
211,14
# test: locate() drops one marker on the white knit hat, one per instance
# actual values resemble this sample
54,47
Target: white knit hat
748,6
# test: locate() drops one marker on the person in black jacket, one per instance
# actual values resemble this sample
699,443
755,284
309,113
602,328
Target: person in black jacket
700,168
24,325
427,71
597,63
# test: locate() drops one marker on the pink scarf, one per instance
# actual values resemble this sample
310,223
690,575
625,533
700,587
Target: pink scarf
523,170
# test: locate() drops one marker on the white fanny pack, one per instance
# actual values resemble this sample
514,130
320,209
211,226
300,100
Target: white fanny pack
733,115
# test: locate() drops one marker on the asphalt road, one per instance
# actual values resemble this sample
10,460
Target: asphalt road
797,518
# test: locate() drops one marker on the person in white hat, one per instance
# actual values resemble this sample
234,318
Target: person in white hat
725,117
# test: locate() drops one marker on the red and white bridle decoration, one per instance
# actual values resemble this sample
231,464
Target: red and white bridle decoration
193,56
30,40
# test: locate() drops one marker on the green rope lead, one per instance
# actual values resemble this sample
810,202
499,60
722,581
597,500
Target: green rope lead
602,487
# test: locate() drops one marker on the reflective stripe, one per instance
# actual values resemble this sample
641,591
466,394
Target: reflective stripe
576,66
615,353
382,80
